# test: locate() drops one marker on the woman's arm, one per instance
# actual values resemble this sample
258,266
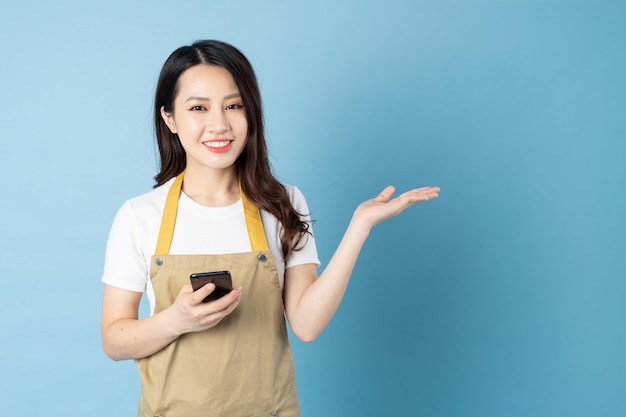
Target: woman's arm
310,302
126,337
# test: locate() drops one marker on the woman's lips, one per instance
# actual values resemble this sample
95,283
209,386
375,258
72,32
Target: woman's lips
218,145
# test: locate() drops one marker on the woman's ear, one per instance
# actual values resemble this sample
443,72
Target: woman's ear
168,118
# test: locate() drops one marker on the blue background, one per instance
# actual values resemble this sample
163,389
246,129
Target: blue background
504,297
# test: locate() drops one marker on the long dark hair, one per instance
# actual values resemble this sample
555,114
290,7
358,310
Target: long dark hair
252,167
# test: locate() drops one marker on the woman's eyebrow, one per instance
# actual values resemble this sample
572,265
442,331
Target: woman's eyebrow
227,97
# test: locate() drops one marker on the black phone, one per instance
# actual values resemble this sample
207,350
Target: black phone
222,280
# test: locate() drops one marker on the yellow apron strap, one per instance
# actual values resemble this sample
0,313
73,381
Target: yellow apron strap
169,217
254,224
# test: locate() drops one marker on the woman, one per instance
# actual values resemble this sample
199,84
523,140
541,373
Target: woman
216,206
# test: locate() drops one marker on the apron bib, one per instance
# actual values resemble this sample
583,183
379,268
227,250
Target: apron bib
243,367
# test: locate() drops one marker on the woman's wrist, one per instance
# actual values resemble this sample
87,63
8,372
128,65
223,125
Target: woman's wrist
359,227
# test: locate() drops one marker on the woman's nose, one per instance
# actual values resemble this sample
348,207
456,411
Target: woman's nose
217,121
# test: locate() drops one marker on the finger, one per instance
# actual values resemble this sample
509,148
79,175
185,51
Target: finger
385,194
202,292
417,195
232,306
224,302
215,317
431,192
425,190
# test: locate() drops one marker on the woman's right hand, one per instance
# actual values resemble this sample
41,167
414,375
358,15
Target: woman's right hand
189,314
124,336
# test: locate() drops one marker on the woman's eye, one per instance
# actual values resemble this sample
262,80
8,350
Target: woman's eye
198,108
236,106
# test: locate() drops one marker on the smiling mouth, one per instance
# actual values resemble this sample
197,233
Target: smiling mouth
217,143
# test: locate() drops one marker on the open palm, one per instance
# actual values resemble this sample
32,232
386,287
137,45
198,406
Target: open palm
382,208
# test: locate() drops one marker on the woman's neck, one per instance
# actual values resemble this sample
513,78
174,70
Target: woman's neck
215,188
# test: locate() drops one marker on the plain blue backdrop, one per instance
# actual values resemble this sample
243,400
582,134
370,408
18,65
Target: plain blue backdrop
504,297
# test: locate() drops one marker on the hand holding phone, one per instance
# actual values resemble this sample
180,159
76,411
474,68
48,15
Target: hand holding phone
222,280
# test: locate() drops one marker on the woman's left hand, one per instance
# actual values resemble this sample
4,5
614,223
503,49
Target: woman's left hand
380,208
310,302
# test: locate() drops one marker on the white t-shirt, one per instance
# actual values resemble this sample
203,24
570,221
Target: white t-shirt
199,230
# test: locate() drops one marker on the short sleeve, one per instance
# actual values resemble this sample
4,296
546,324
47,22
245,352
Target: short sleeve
125,264
306,252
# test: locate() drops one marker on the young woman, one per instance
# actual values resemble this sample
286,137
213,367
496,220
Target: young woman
216,206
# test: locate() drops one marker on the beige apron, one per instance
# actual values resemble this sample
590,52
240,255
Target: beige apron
242,367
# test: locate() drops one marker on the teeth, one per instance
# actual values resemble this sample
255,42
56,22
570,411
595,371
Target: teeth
220,144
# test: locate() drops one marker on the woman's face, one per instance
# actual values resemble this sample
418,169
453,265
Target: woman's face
208,117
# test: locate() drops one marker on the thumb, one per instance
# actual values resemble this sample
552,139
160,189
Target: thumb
385,194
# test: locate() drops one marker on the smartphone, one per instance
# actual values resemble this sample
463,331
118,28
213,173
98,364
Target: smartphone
222,280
